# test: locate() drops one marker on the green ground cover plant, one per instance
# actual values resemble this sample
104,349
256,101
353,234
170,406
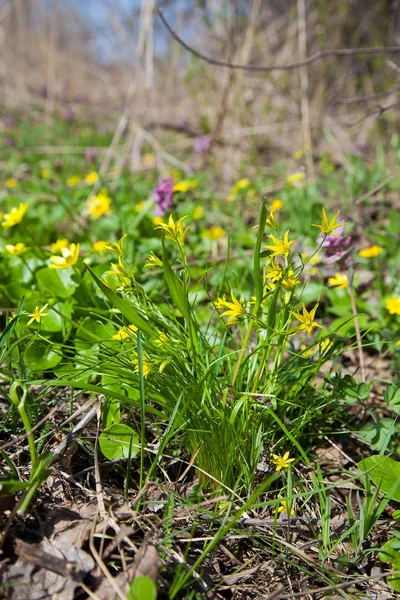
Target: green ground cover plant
230,338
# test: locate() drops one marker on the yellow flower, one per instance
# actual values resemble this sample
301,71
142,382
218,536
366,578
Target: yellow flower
119,271
274,272
61,243
174,231
198,213
241,184
45,173
289,281
153,261
158,220
234,308
298,155
307,319
278,247
186,185
37,314
214,233
340,281
296,177
393,305
98,205
328,227
276,205
270,221
123,334
283,508
73,181
15,216
231,197
148,158
16,250
100,246
146,366
116,247
281,462
371,251
11,183
91,177
70,255
139,206
162,339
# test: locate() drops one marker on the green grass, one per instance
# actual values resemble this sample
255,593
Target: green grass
207,370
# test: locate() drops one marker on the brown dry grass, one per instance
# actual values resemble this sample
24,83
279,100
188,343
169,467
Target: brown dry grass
153,83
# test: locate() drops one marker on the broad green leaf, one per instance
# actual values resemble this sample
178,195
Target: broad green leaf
58,282
92,331
41,357
119,441
129,311
142,588
379,433
384,472
390,554
111,412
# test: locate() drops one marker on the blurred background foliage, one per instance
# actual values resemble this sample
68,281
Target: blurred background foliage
83,60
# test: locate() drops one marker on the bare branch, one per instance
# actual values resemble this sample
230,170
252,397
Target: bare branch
290,66
357,99
378,112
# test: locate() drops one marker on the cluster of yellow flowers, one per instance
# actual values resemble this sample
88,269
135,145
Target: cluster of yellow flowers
393,305
186,185
174,231
238,187
15,216
99,205
69,256
280,270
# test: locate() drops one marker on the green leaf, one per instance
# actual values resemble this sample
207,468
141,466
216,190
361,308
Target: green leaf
111,412
92,331
59,282
142,588
119,441
385,473
129,311
379,433
40,357
258,280
390,554
392,397
174,284
10,486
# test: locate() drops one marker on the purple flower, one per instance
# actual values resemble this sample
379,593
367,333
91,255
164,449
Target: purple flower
91,155
360,148
162,195
68,114
43,90
337,249
8,121
202,143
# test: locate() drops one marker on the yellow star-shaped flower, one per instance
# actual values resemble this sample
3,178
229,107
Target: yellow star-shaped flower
307,319
280,247
281,462
328,227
